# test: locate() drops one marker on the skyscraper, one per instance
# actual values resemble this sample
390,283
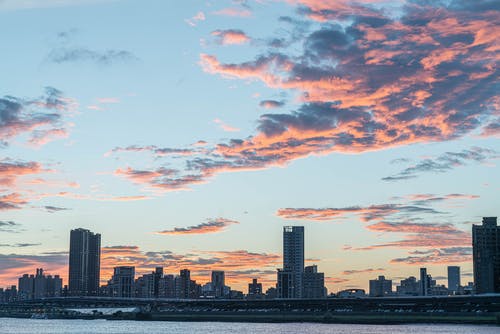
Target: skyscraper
453,279
122,282
486,256
293,260
425,283
84,262
218,283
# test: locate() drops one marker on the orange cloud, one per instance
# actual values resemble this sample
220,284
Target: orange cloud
240,265
10,170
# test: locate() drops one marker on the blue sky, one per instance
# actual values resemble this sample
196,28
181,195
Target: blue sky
189,134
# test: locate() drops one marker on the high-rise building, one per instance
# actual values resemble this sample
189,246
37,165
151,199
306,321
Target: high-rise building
314,283
218,283
293,261
254,289
122,282
166,287
284,285
144,286
157,276
148,285
84,262
425,284
453,279
184,284
39,286
380,287
486,256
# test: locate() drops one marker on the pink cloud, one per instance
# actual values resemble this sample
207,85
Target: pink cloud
225,127
232,36
235,12
193,21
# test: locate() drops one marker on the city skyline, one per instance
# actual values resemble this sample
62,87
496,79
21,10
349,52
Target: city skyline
188,136
293,280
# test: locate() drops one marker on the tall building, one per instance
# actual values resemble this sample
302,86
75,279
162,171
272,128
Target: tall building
148,285
122,282
453,279
314,283
380,287
284,286
486,256
84,262
166,287
157,276
144,286
39,286
254,289
218,283
184,284
293,261
425,283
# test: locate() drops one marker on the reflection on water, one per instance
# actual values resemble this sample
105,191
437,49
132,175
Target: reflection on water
22,326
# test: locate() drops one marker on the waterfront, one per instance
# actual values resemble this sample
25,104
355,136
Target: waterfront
21,326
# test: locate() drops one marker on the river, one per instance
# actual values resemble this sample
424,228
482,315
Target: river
22,326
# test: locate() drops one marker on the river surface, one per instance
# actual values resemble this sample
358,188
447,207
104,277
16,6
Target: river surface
21,326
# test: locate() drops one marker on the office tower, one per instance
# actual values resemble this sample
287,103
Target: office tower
157,276
486,256
218,283
84,262
293,259
425,283
122,282
453,279
183,286
314,283
380,287
254,288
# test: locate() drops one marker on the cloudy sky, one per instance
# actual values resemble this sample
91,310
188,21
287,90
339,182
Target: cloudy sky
188,133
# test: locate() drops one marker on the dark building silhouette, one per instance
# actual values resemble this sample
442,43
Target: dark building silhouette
486,256
218,283
380,287
122,283
453,279
157,276
425,283
314,283
254,288
290,279
8,295
284,285
39,286
166,287
84,262
408,287
184,286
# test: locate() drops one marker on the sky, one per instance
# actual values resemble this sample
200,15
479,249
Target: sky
188,134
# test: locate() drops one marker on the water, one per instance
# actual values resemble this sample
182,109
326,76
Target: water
21,326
